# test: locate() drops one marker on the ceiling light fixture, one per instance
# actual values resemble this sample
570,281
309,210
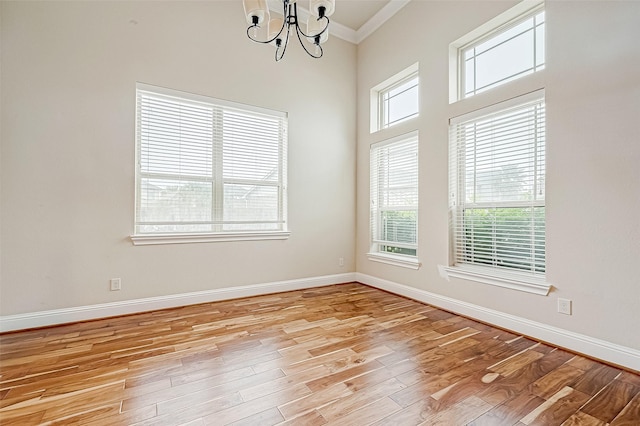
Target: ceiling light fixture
279,27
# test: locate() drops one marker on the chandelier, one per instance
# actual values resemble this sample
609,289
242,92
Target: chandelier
280,27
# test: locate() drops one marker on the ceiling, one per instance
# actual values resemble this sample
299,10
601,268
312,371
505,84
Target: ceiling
355,13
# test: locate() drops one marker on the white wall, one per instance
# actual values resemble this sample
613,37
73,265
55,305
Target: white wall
592,84
68,75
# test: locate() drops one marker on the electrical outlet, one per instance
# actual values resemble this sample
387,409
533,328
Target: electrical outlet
116,284
564,306
341,261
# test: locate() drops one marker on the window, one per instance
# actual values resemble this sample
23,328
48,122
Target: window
395,100
399,102
394,199
497,165
207,166
507,48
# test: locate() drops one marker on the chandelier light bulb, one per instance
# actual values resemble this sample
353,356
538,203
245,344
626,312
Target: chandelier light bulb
256,11
320,8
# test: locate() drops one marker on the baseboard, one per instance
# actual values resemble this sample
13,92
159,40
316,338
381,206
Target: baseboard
592,347
596,348
105,310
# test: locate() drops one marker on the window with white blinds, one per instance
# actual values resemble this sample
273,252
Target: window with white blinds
208,166
394,196
497,179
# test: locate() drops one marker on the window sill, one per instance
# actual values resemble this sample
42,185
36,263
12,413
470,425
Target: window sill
151,239
513,281
390,259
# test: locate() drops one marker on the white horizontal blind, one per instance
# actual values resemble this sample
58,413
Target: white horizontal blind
394,196
208,166
497,179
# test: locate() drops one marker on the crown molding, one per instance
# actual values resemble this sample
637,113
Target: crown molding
345,33
379,18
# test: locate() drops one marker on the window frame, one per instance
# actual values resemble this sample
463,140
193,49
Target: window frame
217,180
376,209
379,105
512,17
462,69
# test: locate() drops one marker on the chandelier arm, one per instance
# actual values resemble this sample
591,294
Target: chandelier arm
256,40
284,24
284,48
298,32
324,30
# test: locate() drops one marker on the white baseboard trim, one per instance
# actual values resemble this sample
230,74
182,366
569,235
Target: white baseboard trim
104,310
595,348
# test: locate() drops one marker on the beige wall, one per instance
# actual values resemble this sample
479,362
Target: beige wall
68,78
592,84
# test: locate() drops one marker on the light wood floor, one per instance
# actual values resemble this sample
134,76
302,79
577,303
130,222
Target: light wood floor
346,354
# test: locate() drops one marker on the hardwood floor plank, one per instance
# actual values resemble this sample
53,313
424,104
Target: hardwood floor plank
595,379
81,418
628,377
413,414
516,362
196,411
331,378
169,403
21,418
459,414
510,411
359,399
550,384
344,354
311,418
271,416
304,377
255,406
630,415
608,403
473,384
91,397
367,414
582,419
558,408
315,400
505,388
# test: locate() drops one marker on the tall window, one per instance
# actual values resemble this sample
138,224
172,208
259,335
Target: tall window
394,196
395,100
208,166
498,186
